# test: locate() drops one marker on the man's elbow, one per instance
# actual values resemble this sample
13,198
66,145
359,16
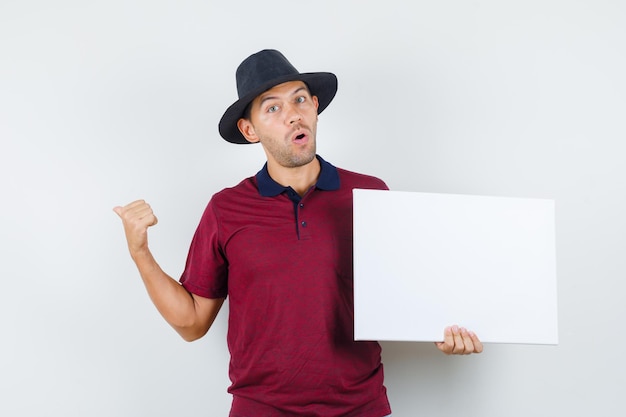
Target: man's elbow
190,330
193,326
190,334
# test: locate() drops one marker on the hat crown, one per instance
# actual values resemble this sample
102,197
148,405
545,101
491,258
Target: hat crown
261,68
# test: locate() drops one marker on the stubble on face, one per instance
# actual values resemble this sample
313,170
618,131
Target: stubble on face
288,155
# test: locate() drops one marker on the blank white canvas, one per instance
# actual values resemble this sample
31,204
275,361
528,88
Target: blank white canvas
423,261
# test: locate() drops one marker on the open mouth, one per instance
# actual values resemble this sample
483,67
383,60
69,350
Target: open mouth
301,137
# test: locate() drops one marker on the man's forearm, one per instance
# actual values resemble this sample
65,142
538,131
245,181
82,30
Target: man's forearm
171,299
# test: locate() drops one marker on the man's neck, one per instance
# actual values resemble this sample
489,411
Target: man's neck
299,178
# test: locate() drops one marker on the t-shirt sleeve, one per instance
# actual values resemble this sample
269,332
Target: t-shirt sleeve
206,269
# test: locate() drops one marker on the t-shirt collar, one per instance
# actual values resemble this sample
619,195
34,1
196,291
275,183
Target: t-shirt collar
328,180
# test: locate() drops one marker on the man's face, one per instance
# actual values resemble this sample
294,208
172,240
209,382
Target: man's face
284,120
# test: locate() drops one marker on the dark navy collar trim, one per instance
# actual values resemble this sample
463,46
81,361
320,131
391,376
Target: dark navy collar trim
328,180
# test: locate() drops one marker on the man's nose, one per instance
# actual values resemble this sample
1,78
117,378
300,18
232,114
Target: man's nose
293,114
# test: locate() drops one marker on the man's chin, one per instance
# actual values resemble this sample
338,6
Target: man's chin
301,160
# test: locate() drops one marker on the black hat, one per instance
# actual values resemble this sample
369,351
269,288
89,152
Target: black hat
263,71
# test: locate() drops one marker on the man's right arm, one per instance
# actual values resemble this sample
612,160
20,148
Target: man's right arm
189,314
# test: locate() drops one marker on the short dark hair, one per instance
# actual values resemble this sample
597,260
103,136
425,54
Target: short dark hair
246,112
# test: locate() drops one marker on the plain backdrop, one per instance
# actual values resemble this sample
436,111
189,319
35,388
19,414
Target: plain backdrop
104,102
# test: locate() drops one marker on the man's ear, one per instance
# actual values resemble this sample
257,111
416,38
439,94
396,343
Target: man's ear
317,104
247,130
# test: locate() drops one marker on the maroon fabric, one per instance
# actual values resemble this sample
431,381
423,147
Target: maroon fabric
289,283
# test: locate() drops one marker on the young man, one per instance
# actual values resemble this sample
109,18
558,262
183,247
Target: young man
279,244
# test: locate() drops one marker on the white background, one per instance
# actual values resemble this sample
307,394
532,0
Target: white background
104,102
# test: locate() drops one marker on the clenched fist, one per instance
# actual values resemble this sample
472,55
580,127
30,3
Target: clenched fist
136,217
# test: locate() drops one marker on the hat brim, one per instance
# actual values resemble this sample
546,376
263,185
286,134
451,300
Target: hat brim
323,85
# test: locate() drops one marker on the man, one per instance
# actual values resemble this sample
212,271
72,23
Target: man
279,244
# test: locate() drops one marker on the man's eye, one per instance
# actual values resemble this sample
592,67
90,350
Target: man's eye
272,109
301,99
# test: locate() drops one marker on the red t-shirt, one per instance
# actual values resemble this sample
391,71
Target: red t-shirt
286,265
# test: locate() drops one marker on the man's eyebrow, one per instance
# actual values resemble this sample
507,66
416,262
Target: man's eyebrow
266,98
293,93
299,89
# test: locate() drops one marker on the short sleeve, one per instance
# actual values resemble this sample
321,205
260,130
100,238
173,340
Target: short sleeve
206,269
